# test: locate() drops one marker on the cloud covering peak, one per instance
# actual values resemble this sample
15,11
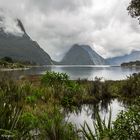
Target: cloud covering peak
58,24
9,24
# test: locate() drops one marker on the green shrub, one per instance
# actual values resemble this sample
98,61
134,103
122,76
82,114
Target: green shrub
54,79
72,94
131,86
28,126
127,124
54,127
7,59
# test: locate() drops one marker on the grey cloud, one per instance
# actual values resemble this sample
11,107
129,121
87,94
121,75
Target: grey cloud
60,5
9,24
58,24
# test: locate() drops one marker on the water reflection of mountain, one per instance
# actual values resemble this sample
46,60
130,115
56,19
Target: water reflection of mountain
16,74
78,72
82,72
87,72
107,73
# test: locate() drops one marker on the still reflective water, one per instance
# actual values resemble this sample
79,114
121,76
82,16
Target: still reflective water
82,72
87,113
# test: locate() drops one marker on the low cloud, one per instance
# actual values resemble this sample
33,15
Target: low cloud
56,25
9,24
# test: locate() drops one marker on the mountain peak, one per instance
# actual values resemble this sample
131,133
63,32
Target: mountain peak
81,46
20,25
11,26
133,56
82,55
15,43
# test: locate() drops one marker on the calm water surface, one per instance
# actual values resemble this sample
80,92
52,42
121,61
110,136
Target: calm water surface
87,113
82,72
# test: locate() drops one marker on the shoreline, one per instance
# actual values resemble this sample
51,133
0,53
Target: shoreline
14,69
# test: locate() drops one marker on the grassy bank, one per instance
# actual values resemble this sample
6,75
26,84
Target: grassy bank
88,92
32,108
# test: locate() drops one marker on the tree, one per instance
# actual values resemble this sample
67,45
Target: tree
7,59
134,9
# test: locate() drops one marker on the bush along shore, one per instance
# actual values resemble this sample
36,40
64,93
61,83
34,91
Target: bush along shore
34,109
9,63
131,64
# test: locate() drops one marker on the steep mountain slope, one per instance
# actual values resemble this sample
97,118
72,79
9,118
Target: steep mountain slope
21,47
133,56
82,55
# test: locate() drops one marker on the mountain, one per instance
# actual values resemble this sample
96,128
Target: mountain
21,46
133,56
82,55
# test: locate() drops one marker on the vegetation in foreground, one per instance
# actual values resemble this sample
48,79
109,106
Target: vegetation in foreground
125,127
36,110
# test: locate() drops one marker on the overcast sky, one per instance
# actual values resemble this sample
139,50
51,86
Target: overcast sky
58,24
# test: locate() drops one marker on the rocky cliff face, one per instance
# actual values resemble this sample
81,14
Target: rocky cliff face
21,46
133,56
82,55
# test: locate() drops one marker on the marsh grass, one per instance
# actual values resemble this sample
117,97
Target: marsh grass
29,111
102,128
32,112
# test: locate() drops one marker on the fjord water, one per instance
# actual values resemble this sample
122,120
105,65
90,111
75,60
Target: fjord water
83,72
91,71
